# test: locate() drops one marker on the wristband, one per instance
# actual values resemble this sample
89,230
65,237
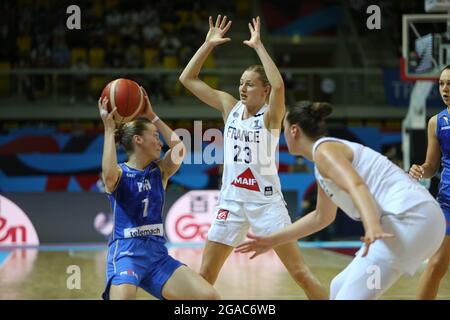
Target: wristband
155,119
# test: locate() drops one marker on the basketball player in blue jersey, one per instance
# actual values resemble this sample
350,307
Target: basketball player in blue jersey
251,194
137,256
438,149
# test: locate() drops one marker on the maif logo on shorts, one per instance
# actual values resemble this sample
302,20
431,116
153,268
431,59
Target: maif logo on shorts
222,214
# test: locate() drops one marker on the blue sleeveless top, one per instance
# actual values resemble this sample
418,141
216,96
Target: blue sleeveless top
443,136
137,203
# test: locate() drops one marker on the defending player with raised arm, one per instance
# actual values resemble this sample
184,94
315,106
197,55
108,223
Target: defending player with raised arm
251,191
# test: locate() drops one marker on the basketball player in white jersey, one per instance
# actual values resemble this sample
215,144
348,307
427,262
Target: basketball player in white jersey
251,193
403,223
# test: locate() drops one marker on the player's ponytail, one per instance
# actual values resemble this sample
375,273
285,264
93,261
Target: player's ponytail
118,134
126,131
310,117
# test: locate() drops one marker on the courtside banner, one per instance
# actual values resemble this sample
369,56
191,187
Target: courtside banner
190,217
86,217
15,226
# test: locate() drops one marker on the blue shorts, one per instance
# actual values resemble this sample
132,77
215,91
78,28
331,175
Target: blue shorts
446,211
143,262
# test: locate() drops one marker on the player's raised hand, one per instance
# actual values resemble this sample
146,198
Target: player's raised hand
373,234
148,108
258,245
217,32
255,36
107,117
416,171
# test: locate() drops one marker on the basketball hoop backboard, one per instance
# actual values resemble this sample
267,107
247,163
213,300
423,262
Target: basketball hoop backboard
425,46
437,5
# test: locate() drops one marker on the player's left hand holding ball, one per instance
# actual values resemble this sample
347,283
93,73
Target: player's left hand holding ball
107,117
148,111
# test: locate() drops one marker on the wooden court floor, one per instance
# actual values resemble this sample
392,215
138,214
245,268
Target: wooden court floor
34,274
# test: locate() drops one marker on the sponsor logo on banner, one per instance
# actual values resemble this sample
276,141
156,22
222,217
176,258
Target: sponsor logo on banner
15,226
246,180
190,217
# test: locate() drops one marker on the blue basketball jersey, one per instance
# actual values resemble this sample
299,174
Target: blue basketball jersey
137,204
443,135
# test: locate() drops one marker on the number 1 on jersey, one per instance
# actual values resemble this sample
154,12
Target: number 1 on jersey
145,201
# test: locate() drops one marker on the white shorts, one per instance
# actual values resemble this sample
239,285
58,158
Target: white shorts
418,234
233,219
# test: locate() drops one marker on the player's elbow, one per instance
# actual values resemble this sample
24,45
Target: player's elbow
110,181
185,79
324,218
182,78
178,152
356,185
278,85
182,149
434,170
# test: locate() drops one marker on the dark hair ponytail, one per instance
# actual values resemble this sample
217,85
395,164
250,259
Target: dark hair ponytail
118,133
309,116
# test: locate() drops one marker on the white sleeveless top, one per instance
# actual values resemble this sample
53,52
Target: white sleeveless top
394,191
250,173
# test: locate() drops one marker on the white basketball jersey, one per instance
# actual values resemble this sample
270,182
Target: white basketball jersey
394,190
250,173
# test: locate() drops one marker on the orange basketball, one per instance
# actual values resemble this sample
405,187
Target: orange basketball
127,96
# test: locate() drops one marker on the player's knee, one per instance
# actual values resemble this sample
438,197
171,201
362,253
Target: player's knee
302,275
127,296
205,292
210,294
122,294
208,275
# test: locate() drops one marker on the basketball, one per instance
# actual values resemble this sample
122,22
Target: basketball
125,95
